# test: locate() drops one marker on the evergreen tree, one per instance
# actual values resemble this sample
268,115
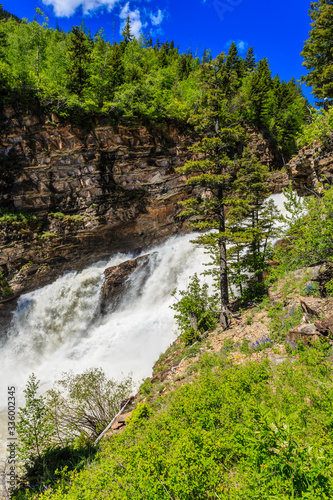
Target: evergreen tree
318,50
212,171
185,65
251,224
232,62
79,52
260,95
250,61
126,33
232,71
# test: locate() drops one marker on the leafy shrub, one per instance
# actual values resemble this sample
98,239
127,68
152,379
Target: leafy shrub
253,431
319,129
283,319
195,300
309,239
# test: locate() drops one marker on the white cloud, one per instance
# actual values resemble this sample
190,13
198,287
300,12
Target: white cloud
241,45
135,18
66,8
156,20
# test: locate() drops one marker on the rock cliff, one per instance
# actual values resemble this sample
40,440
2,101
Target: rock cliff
310,167
86,192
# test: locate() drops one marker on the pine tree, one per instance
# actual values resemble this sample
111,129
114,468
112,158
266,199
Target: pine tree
318,50
212,170
260,95
250,60
79,52
251,223
126,33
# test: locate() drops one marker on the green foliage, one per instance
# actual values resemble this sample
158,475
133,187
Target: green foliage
320,128
251,431
194,300
283,319
15,219
309,239
146,387
317,51
56,430
77,76
83,404
34,429
329,287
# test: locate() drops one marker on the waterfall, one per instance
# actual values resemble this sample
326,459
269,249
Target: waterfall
58,328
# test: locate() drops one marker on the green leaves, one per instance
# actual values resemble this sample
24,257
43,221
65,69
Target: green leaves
317,51
34,429
254,431
194,302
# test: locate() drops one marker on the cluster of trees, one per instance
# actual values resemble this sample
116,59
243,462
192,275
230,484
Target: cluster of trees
141,79
64,421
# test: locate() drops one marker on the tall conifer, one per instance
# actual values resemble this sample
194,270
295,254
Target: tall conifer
318,50
212,170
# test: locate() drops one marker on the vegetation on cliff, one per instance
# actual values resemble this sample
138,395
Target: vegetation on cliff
75,72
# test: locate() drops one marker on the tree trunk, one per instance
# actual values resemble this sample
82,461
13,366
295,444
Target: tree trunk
225,311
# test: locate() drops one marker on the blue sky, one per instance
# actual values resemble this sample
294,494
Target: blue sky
276,29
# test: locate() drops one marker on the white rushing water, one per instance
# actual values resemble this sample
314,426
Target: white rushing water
59,327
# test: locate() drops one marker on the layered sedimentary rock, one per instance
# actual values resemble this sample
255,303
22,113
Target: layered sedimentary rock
89,191
93,192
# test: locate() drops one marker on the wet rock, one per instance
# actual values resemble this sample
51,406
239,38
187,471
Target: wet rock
116,279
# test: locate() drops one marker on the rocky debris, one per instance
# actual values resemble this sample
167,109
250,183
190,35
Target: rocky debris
120,421
116,279
307,334
312,306
325,326
311,167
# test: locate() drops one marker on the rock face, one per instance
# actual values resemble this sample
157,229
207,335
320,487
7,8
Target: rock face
310,167
116,278
92,192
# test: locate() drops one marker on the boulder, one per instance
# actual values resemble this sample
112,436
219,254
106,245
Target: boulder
307,334
116,278
312,306
325,327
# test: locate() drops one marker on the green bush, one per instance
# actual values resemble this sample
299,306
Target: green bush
195,300
319,129
309,238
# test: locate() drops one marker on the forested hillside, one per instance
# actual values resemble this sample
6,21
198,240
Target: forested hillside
142,80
